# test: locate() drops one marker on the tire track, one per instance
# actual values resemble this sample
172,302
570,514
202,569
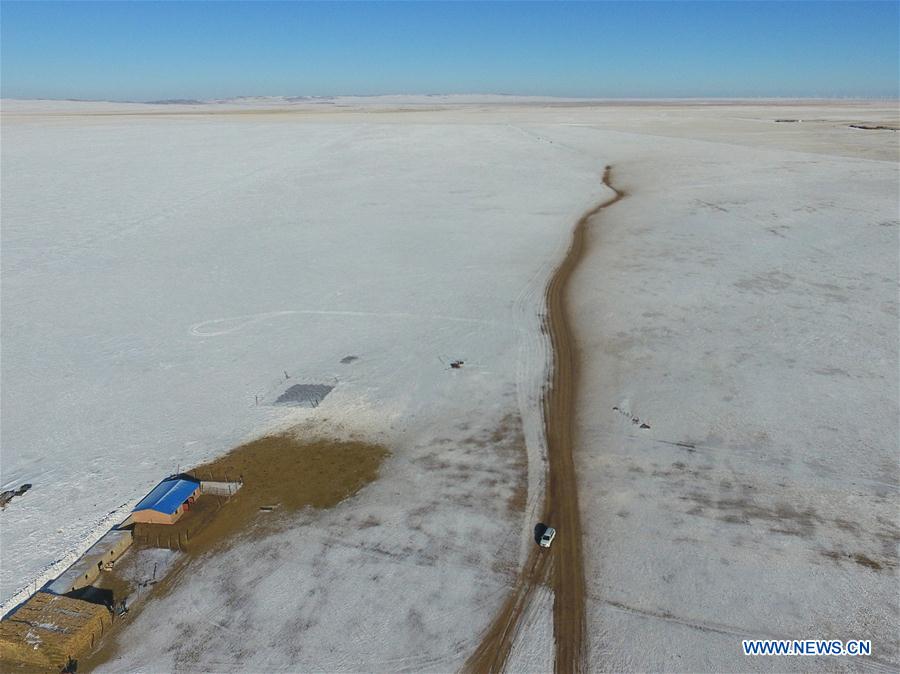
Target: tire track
562,567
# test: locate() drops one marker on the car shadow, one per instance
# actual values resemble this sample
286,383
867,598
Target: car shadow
539,530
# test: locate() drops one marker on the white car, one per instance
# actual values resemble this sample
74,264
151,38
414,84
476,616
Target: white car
547,538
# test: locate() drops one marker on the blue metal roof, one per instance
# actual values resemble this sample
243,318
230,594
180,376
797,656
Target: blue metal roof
168,495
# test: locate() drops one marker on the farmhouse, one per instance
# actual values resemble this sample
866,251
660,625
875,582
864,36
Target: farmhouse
48,630
168,501
85,571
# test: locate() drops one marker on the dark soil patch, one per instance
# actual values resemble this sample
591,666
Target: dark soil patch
863,560
283,471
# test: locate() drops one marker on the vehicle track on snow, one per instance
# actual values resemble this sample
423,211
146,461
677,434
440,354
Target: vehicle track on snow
562,566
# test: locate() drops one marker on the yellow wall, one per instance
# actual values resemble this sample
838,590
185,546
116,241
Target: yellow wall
156,517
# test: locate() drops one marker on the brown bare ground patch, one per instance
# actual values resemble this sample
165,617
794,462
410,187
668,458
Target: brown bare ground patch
286,472
519,457
864,560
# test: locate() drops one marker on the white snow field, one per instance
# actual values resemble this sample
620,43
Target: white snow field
743,303
159,273
162,270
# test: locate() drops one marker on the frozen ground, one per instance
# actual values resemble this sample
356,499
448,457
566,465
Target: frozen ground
160,271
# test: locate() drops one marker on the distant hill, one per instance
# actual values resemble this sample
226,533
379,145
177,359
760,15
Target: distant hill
177,101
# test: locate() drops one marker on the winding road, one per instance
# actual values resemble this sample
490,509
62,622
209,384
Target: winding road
562,566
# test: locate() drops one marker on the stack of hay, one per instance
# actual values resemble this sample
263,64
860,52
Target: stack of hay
48,630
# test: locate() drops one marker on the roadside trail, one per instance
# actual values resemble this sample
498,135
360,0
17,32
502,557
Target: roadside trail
562,566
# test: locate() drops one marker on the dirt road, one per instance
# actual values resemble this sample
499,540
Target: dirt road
562,566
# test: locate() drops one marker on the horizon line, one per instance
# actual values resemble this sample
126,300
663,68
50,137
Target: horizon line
313,97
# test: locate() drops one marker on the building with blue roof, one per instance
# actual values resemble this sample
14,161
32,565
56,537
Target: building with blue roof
168,501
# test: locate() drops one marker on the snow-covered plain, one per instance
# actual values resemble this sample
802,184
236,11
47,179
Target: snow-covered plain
743,302
160,271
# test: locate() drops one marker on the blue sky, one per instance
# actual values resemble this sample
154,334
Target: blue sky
155,50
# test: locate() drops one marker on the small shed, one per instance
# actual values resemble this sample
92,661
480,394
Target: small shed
167,502
85,571
47,630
